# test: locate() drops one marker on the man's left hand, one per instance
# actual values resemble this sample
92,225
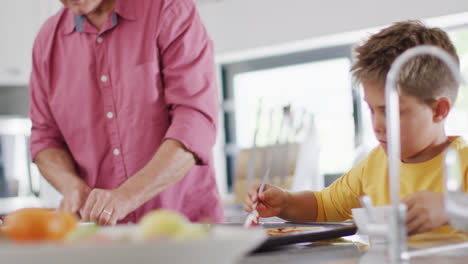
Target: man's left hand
106,207
426,212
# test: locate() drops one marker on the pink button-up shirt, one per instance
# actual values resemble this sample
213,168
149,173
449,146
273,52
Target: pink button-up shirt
110,98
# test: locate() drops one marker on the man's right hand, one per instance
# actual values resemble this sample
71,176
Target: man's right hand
59,169
271,202
75,198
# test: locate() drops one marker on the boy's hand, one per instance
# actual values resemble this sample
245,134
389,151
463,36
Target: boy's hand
426,211
271,201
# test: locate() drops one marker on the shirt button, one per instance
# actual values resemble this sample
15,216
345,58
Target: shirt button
110,115
103,78
99,40
116,152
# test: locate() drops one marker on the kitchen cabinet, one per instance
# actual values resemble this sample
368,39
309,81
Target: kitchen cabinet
20,21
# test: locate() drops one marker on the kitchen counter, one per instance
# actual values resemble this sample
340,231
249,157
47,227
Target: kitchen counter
11,204
8,205
352,251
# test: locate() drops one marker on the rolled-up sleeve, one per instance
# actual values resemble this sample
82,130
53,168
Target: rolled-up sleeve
335,202
188,73
44,132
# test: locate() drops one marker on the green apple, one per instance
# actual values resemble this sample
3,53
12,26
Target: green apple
162,223
192,231
82,232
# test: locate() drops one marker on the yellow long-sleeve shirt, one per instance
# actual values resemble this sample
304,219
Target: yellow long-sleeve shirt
370,177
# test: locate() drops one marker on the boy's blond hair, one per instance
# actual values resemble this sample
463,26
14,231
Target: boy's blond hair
424,77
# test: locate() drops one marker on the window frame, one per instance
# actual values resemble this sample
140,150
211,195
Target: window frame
229,70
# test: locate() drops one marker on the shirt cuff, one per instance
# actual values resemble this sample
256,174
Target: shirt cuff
40,143
195,131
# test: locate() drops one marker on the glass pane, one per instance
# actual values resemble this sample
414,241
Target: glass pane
322,88
457,121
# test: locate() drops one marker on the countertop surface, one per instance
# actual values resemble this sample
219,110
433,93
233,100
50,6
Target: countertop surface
8,205
354,250
347,250
351,250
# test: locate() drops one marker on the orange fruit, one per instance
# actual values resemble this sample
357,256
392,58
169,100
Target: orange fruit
37,224
60,224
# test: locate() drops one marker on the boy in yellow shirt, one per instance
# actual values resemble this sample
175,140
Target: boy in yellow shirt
427,93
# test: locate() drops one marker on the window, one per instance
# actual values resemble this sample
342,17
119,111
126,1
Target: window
457,121
315,82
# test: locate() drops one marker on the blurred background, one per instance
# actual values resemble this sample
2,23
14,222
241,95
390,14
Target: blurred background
286,95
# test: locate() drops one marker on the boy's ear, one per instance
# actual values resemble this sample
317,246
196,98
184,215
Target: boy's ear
440,109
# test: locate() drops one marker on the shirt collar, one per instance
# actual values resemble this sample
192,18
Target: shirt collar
70,22
79,23
125,9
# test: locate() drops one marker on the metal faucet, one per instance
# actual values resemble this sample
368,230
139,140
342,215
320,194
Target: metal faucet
396,234
456,201
456,204
374,228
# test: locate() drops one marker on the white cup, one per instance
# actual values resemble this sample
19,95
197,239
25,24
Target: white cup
380,215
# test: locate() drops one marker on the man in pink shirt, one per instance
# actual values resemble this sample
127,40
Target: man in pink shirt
124,109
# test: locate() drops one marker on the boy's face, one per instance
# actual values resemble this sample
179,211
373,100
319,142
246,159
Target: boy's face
417,127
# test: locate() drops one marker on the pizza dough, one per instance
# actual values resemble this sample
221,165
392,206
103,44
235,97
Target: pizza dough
292,229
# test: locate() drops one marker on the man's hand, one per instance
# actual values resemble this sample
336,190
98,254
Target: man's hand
74,199
426,212
169,164
58,167
106,207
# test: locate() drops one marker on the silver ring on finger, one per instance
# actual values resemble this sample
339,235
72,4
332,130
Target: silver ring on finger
109,216
107,212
